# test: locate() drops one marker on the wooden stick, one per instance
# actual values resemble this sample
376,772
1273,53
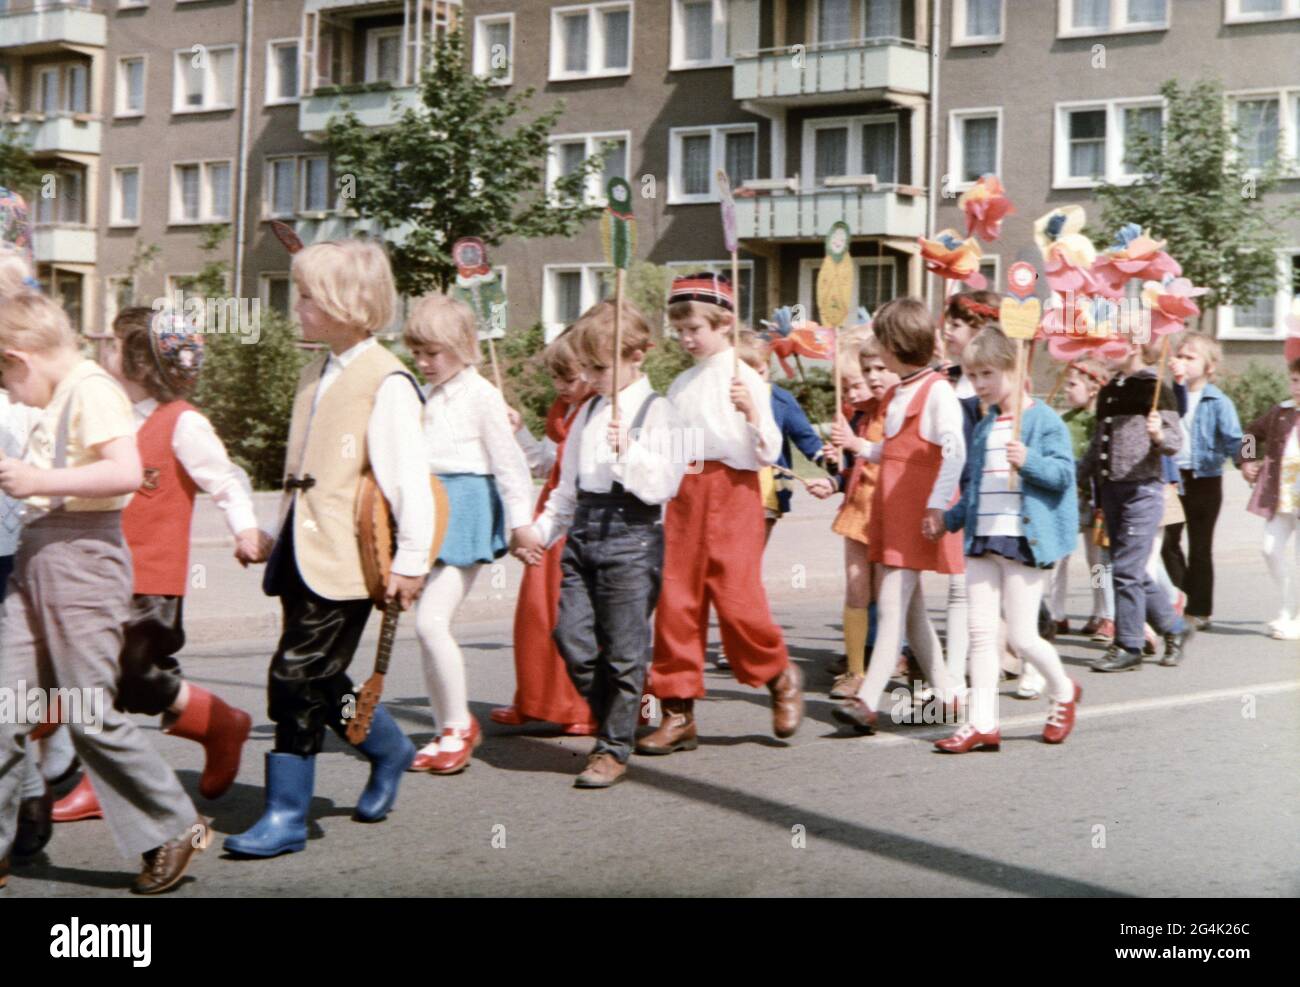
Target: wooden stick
1160,373
792,475
1018,407
835,369
735,322
618,342
1060,379
496,367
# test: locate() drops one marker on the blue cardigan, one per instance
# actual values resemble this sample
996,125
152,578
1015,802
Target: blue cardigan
1051,511
793,424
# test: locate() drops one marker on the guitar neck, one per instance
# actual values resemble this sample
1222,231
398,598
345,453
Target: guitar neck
387,633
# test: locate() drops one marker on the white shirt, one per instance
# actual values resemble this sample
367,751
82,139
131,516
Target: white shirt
702,397
999,505
539,453
651,469
16,421
964,388
467,430
941,423
204,457
396,458
1184,456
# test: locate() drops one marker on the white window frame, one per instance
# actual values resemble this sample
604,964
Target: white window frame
41,74
1232,13
1226,314
273,75
594,39
116,218
372,53
996,261
178,78
122,89
747,303
809,266
264,289
300,187
589,292
1288,98
595,192
957,142
205,217
717,158
719,55
853,151
1118,10
483,57
1113,154
132,4
960,37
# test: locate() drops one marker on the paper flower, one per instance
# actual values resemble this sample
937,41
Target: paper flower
804,339
1134,254
953,258
1068,255
985,206
1087,329
1170,303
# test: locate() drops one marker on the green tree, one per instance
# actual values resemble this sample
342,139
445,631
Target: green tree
1197,193
460,163
17,170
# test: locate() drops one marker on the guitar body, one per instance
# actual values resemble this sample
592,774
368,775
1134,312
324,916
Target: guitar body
378,534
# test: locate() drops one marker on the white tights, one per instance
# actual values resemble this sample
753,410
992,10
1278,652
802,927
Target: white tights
900,593
444,666
1279,531
957,629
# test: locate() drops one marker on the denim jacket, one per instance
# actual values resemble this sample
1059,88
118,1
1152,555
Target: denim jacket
1215,431
1049,505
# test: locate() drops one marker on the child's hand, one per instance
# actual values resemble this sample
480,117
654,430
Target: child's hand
253,546
617,437
743,402
842,435
526,545
19,480
516,419
406,589
1250,470
1155,428
822,487
830,454
932,526
1016,453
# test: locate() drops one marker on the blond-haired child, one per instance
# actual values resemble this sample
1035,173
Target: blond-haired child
470,447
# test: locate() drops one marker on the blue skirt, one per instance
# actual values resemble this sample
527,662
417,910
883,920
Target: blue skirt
476,526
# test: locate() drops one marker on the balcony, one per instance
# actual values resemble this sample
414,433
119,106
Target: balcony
842,72
375,104
60,134
807,215
31,27
64,244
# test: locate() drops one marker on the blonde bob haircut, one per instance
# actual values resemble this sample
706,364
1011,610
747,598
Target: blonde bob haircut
990,349
34,324
1206,347
439,320
351,281
593,333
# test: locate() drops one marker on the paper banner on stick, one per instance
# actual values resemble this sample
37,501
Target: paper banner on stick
835,278
478,287
728,202
1019,313
618,225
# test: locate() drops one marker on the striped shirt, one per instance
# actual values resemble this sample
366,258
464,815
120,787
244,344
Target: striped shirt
999,507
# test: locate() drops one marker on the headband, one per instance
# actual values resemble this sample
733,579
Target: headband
1092,375
976,308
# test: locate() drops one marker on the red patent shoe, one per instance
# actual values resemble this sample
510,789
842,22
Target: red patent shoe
1060,721
579,730
80,803
968,739
450,762
509,716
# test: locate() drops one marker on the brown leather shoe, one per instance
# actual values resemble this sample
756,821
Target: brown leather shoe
846,685
787,701
675,733
164,866
855,713
602,771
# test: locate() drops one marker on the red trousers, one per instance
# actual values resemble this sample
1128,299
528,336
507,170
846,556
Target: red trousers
543,689
713,553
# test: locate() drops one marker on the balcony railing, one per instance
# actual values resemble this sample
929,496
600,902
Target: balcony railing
376,104
892,210
61,133
48,24
839,71
63,243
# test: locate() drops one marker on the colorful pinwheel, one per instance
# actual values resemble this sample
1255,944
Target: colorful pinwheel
1068,255
985,206
1134,254
790,340
953,258
1088,328
1170,303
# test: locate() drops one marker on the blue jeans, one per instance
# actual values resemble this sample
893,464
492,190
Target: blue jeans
609,584
1133,512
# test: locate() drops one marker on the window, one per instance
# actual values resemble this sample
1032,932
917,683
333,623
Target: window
989,265
568,290
696,153
204,79
1246,11
384,55
47,90
201,192
281,72
884,19
78,95
63,89
1265,317
700,34
296,184
130,86
126,196
977,22
69,287
1085,17
974,145
834,21
67,207
494,52
277,293
745,269
591,40
1093,140
1259,127
570,151
851,146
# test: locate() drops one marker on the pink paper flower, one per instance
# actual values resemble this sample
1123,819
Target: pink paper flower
1170,303
1134,254
953,258
1068,255
1091,331
985,206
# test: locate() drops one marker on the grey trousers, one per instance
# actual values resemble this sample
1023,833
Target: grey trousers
1133,512
62,628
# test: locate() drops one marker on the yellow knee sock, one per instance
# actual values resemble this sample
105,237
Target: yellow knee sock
855,638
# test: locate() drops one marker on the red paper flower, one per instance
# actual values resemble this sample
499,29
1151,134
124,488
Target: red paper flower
1068,255
953,258
1133,255
1170,304
1091,331
985,206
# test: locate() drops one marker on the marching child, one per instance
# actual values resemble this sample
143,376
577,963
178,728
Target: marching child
1124,460
614,479
714,528
471,449
965,315
157,358
1012,539
1270,461
70,591
1211,434
542,687
353,412
921,458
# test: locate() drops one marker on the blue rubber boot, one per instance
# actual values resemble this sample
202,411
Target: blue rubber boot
290,780
390,753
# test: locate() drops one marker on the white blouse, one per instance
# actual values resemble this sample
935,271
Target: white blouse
702,397
467,430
